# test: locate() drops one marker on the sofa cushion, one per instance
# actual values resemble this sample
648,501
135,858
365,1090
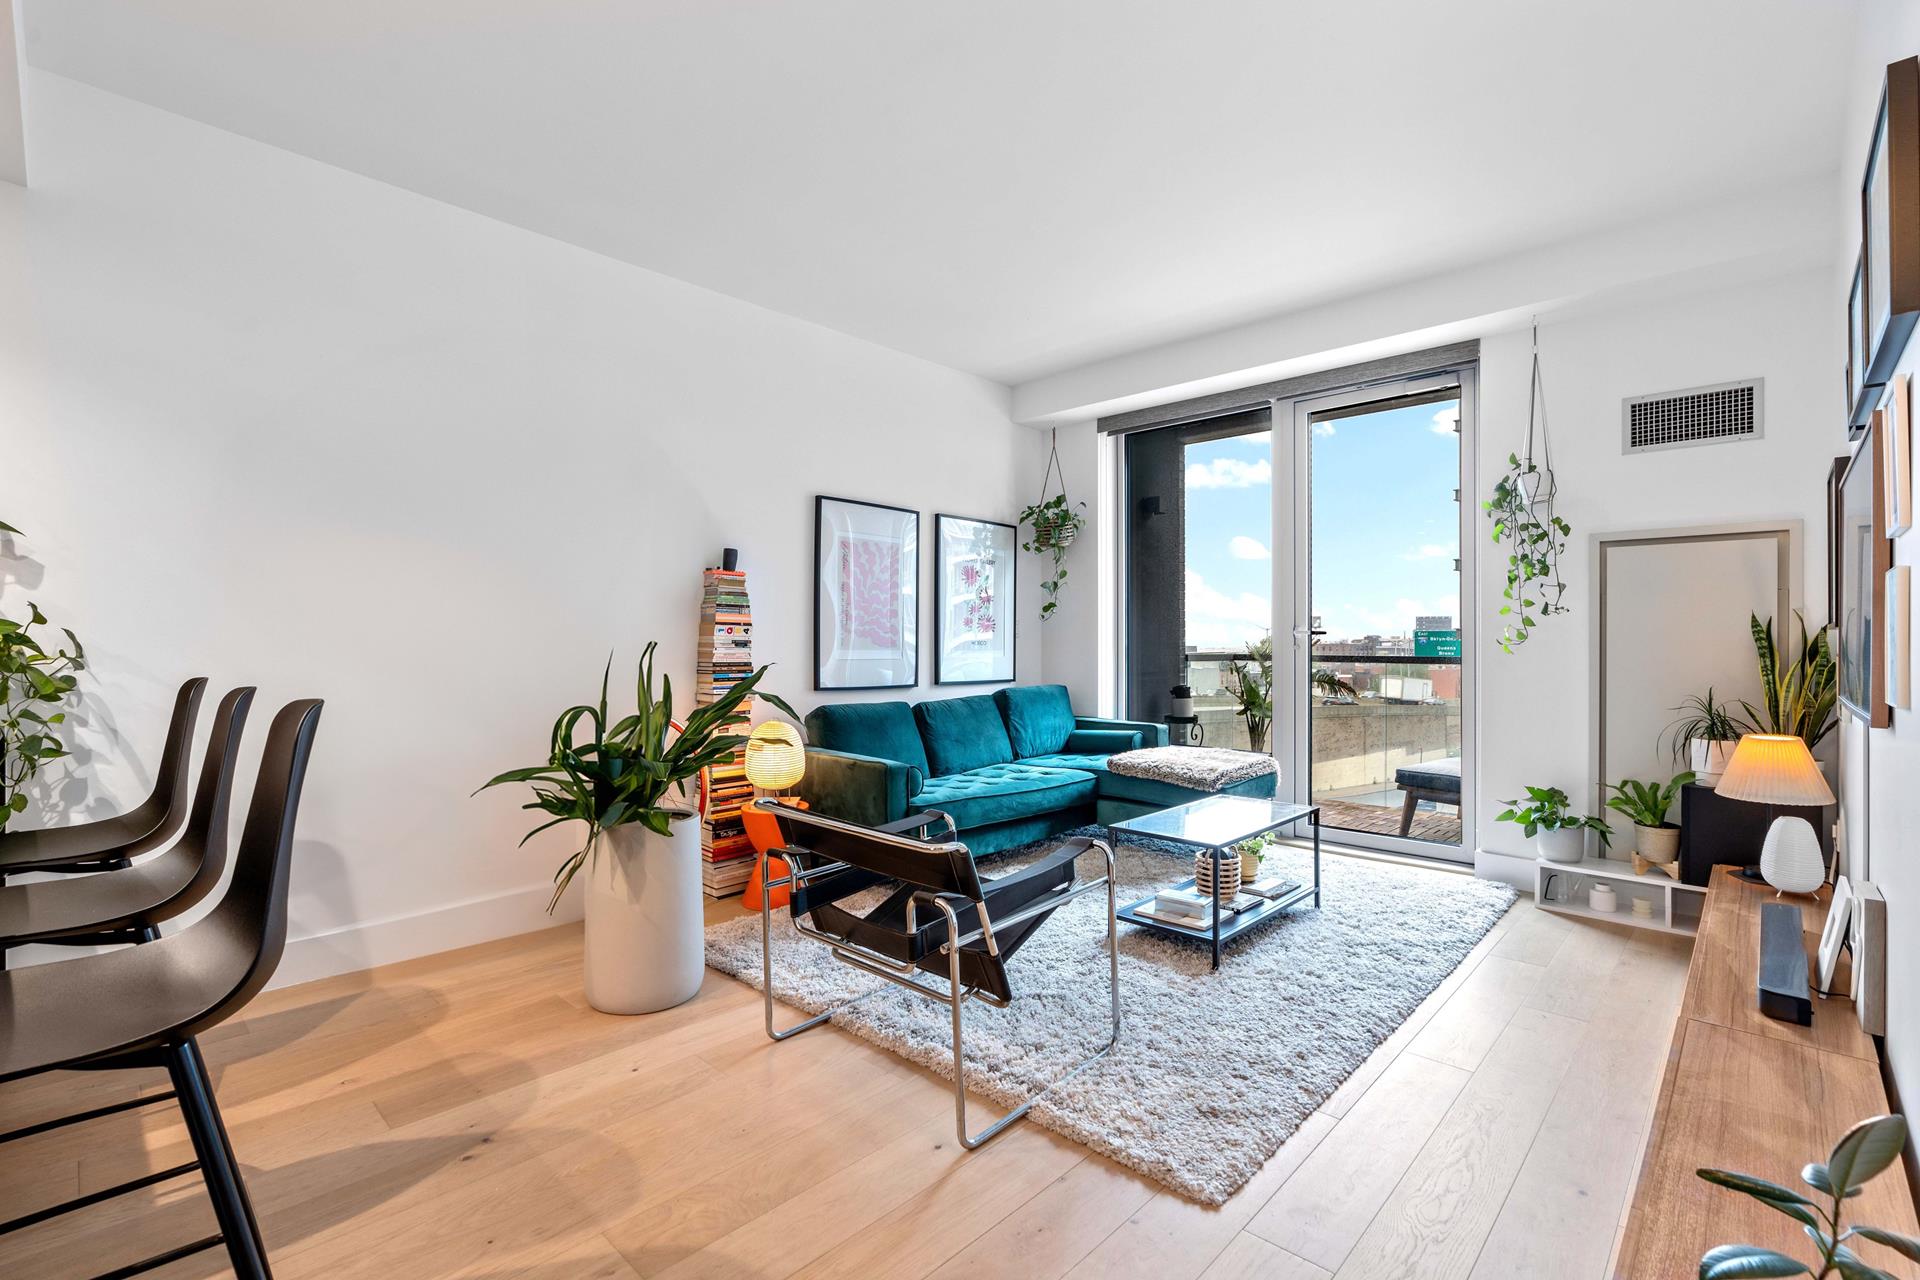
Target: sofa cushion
1094,762
1002,792
884,729
1039,717
962,734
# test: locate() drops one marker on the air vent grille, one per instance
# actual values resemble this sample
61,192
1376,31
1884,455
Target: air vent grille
1701,415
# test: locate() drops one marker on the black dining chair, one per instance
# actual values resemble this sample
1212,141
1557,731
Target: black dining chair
143,1007
110,842
129,904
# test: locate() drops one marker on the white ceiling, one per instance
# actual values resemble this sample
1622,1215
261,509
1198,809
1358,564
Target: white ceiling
1011,187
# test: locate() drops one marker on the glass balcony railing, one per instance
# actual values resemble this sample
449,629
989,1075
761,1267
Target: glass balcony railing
1369,715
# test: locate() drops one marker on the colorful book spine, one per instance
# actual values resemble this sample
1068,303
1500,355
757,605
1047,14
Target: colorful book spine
723,657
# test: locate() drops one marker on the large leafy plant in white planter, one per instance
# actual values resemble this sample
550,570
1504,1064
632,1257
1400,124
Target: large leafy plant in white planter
627,781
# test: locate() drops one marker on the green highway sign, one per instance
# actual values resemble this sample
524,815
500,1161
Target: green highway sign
1436,644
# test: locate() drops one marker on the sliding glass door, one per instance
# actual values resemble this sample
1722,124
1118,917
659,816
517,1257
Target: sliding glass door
1381,722
1296,570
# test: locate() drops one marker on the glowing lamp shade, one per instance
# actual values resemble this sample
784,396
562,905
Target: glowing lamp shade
1777,769
776,759
1774,768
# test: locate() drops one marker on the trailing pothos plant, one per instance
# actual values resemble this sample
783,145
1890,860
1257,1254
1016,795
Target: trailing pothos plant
1054,523
1521,509
1551,809
34,681
630,771
1862,1154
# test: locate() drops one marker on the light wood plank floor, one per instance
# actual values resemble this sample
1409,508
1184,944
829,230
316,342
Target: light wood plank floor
467,1115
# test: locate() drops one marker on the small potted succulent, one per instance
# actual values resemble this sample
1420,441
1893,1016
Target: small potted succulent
1546,812
1645,804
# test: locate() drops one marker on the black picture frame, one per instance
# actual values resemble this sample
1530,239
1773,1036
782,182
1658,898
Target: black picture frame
1864,556
1006,594
844,668
1859,402
1834,476
1889,280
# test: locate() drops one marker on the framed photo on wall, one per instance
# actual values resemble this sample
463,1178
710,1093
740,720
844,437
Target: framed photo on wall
1890,230
1859,403
1835,536
1899,637
974,594
1865,557
1898,464
866,595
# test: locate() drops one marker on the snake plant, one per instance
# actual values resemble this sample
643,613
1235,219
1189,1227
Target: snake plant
1797,697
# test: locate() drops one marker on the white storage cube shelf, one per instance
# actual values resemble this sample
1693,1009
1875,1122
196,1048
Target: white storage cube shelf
1676,906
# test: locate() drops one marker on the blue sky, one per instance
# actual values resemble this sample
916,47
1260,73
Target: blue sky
1384,524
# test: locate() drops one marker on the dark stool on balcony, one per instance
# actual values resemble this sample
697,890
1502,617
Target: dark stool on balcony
1437,781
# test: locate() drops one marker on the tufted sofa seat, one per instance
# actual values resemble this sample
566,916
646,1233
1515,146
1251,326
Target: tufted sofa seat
1011,768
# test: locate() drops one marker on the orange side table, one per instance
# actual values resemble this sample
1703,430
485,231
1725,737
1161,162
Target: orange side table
763,832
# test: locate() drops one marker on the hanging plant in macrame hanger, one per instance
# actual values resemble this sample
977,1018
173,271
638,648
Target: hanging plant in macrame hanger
1523,519
1053,523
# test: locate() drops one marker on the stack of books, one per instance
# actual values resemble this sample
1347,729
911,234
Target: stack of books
724,657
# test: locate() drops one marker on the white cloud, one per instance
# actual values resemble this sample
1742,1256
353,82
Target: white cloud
1432,551
1445,421
1348,621
1216,620
1323,428
1245,548
1229,473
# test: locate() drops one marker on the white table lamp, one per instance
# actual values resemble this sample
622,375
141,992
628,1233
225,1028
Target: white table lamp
1776,769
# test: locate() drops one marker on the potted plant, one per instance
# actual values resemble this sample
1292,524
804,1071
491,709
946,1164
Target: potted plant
35,679
1055,523
1545,813
1250,684
627,781
1798,697
1862,1154
1704,736
1645,804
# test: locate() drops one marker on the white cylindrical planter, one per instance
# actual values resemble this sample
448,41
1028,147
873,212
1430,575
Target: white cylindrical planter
1564,844
646,944
1709,759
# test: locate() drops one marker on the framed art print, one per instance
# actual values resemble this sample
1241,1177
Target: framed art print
1835,537
866,595
1865,557
1898,464
974,583
1890,227
1858,402
1899,646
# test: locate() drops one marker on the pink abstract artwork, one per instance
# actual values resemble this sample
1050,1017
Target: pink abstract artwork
870,573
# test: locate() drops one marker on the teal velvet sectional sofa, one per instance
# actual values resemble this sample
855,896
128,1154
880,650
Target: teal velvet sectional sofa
1009,768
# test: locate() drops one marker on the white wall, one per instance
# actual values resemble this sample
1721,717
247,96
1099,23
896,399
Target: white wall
271,422
1883,815
1535,723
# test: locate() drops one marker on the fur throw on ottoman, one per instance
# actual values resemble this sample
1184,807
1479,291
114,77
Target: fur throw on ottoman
1197,768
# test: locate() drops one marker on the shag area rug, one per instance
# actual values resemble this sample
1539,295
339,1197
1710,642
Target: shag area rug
1213,1070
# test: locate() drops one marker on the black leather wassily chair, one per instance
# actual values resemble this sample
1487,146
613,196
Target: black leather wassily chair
90,846
143,1006
128,904
942,918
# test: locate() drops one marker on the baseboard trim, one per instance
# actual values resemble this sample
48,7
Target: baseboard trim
1505,867
371,943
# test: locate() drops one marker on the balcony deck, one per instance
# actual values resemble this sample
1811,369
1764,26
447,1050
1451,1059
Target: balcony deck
1428,824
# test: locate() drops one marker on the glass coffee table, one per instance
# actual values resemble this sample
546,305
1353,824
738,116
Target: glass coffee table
1215,824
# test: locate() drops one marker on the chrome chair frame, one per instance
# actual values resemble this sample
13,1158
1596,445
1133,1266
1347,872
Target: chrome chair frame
957,993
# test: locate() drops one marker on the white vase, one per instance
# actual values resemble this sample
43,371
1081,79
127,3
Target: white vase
1709,759
646,944
1564,844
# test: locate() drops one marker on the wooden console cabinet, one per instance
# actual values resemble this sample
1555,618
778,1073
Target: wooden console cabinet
1747,1093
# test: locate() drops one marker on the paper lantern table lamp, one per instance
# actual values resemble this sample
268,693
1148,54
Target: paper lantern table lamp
776,760
1776,769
